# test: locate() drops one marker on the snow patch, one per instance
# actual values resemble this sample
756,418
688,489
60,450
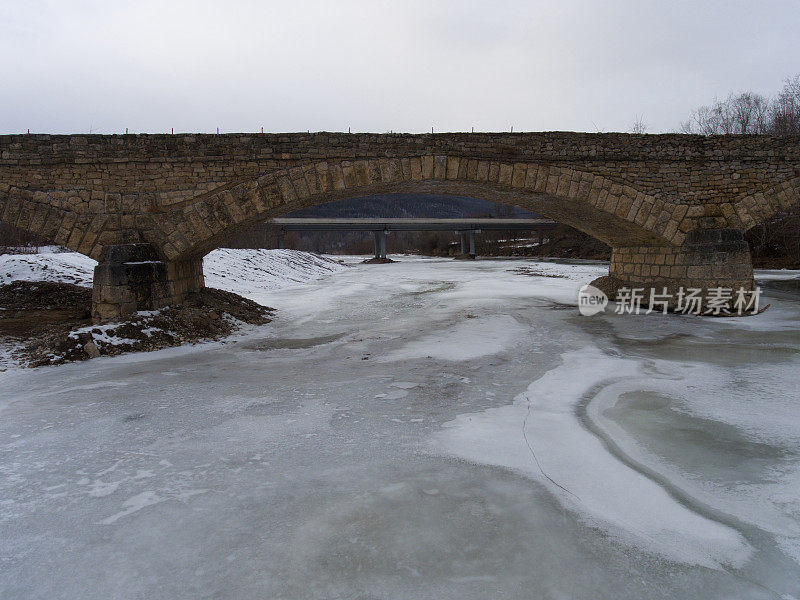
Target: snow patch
105,334
47,265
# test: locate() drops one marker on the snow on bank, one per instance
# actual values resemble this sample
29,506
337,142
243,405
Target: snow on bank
242,271
47,265
541,436
247,272
776,274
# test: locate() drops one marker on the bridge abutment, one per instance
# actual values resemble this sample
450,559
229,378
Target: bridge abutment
708,259
132,277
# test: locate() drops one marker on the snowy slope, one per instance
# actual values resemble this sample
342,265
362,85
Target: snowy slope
47,265
245,272
240,271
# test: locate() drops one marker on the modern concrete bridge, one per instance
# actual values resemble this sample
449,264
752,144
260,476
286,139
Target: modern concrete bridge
674,208
466,228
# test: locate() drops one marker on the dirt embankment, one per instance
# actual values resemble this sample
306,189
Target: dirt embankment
29,308
52,322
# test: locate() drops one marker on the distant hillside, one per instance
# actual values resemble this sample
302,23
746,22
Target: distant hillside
397,206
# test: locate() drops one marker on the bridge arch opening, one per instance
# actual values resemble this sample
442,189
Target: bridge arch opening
771,222
613,213
436,225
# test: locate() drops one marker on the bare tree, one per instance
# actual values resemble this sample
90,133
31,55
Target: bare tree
749,113
639,126
784,115
775,243
743,113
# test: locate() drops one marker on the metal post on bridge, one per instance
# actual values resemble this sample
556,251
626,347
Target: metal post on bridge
463,242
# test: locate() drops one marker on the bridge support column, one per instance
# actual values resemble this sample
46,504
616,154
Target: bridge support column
467,244
708,259
132,277
380,244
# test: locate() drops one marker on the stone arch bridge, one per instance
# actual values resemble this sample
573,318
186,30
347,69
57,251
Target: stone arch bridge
674,208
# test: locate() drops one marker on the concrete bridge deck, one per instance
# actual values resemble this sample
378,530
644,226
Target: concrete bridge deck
458,225
466,228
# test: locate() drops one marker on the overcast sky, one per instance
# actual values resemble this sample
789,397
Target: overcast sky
402,65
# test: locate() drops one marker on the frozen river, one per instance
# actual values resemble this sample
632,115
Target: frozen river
425,429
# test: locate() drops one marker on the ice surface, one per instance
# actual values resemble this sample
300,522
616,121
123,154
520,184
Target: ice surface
464,341
369,443
586,478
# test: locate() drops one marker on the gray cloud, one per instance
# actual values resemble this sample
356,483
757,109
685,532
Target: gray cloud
376,66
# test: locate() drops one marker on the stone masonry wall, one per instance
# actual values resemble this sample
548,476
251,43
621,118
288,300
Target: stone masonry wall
708,259
686,168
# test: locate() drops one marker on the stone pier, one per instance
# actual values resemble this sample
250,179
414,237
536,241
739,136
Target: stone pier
708,259
132,277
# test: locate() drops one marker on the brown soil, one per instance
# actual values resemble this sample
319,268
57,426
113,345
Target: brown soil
535,272
53,321
377,261
28,308
575,246
780,262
